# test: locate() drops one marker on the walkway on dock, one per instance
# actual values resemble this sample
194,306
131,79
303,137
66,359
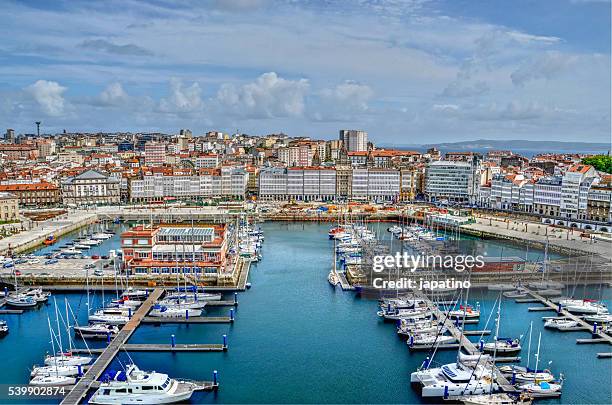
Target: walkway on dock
244,275
80,390
584,325
464,342
344,282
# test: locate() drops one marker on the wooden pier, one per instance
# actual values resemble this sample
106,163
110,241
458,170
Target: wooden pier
344,284
80,390
244,275
134,347
476,332
598,337
228,303
191,319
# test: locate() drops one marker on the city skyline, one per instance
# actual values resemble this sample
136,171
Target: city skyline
406,72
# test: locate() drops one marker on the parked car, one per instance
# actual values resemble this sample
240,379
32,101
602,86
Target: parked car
51,261
90,266
98,273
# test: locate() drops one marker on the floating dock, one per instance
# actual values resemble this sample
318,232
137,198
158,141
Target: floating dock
191,319
598,335
346,286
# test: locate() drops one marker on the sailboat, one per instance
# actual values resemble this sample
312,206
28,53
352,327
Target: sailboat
4,329
67,358
333,277
53,376
541,388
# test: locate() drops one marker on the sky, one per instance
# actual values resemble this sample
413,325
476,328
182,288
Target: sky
406,71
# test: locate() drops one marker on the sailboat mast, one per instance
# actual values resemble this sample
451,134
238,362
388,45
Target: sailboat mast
59,333
538,354
68,325
52,345
529,346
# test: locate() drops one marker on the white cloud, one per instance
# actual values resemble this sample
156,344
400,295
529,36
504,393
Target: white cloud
342,102
462,88
182,99
114,94
49,96
351,95
524,38
542,67
268,96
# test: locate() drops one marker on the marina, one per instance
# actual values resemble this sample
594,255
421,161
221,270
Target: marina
303,287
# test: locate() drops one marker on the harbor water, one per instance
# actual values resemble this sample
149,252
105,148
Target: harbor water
296,339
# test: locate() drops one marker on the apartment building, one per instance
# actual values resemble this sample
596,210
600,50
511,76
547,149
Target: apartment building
575,185
296,155
162,183
547,196
452,181
9,207
35,194
599,203
354,140
155,154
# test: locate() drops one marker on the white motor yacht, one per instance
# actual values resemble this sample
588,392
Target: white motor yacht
454,379
135,386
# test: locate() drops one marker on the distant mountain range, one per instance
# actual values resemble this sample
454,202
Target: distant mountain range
482,145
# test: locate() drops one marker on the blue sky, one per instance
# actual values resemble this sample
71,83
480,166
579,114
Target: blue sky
411,71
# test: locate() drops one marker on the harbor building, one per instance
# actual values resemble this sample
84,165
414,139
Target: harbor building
171,249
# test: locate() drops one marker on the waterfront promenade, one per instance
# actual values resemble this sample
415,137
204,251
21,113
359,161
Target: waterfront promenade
565,240
60,225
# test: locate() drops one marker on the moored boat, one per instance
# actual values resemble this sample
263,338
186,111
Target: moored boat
134,386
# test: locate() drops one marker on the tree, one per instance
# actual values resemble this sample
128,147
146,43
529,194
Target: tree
602,163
